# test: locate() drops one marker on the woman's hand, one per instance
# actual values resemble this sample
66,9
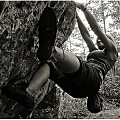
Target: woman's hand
80,6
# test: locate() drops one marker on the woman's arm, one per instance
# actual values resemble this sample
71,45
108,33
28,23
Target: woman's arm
109,46
85,34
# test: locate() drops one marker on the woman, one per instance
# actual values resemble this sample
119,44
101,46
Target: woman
78,78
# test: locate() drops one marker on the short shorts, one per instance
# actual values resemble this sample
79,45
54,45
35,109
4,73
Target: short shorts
84,82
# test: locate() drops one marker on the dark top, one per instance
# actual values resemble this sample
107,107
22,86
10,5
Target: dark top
100,59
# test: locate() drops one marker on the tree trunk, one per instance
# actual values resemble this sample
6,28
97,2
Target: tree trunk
18,30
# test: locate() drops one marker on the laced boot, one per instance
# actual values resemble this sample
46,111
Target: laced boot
18,93
47,33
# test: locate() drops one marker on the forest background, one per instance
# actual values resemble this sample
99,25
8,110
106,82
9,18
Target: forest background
107,14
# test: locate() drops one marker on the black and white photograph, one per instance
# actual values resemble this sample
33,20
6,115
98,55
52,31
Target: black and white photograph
60,59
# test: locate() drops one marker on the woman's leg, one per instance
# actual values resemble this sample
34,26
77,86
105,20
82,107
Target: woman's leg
39,79
66,61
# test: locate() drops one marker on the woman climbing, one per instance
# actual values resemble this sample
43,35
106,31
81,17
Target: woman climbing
78,78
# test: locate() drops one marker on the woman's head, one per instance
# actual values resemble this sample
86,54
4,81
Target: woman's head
100,43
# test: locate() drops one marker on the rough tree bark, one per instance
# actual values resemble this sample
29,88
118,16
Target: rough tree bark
18,29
